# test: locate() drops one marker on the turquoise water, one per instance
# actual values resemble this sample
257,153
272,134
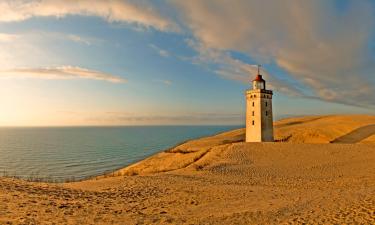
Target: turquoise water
80,152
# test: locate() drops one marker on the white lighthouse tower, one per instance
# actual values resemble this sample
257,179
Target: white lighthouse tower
259,121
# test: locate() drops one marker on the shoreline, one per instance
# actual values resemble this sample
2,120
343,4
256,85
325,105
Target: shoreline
106,174
91,157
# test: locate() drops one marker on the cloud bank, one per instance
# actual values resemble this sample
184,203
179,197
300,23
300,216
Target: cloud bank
323,48
187,118
60,73
136,12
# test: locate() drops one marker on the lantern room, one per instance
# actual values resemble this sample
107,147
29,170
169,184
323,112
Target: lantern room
259,83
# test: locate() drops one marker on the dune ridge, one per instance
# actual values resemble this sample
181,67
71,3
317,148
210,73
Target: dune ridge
310,129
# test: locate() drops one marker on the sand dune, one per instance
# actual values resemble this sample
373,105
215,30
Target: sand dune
357,135
221,180
310,129
325,129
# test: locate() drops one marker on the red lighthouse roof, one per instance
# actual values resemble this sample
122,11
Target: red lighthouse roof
258,78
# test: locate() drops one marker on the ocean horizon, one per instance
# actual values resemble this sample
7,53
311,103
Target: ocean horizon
58,154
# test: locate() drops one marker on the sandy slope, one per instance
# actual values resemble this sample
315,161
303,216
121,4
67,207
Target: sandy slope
324,129
220,180
309,129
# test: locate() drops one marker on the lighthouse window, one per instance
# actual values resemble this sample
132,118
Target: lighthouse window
266,104
253,113
253,103
253,122
266,113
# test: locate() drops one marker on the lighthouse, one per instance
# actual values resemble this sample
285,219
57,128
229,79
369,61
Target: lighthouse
259,121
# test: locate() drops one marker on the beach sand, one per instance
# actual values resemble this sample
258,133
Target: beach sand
301,178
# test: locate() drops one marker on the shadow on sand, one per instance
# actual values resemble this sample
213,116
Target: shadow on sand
298,122
356,135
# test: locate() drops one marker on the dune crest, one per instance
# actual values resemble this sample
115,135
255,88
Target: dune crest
309,129
323,129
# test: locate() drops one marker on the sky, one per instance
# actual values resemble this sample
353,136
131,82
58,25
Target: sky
175,62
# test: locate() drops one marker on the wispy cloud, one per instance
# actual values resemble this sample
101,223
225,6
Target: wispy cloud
30,48
138,12
79,39
60,73
5,37
324,49
166,82
160,51
230,68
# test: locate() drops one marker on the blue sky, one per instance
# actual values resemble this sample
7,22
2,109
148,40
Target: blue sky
181,62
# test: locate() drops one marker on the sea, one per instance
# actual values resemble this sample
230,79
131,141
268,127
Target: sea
58,154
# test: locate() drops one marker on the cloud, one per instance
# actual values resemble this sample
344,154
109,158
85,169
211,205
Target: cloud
4,37
78,39
230,68
188,118
160,51
17,50
60,73
31,48
166,82
137,12
321,47
140,118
